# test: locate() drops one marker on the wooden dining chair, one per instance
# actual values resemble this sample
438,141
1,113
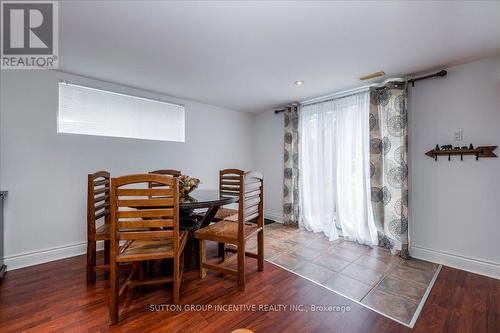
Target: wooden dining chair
228,186
164,172
132,237
227,180
250,189
97,211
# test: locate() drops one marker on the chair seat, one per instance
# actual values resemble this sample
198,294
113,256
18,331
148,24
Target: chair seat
138,250
232,218
224,213
102,232
226,231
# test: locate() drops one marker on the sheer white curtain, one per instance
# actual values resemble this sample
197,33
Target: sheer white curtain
334,164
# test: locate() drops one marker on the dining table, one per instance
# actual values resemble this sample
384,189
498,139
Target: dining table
190,221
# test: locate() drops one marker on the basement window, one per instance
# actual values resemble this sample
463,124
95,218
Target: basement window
91,111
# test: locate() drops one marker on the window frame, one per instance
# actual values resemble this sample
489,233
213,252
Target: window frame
181,107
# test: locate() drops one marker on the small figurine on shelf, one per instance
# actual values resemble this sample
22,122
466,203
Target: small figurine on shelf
456,148
464,147
471,147
447,147
437,148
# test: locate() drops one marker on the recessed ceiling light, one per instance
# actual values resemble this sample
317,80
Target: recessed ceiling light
299,83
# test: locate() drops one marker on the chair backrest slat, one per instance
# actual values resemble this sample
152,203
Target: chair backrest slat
227,182
144,192
142,213
167,172
155,234
251,217
228,171
101,190
156,202
101,198
228,194
101,182
252,202
157,223
254,186
101,206
104,213
251,211
230,188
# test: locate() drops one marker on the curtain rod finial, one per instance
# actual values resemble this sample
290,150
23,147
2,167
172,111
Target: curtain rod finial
442,73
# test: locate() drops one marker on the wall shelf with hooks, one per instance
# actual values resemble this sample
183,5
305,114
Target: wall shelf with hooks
483,151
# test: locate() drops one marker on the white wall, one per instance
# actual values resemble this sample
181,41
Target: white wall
269,136
45,172
455,206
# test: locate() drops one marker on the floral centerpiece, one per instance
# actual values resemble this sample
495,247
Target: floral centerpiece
187,184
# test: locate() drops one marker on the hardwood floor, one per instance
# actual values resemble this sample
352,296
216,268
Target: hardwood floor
53,297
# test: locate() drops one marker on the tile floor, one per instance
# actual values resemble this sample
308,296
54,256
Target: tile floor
371,276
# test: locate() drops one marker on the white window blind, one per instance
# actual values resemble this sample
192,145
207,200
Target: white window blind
84,110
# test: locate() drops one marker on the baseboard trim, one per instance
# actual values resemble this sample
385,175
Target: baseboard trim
273,216
39,257
456,261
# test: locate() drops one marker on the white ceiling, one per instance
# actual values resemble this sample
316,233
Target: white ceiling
246,55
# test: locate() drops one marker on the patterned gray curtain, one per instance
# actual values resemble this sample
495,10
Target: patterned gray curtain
291,170
388,166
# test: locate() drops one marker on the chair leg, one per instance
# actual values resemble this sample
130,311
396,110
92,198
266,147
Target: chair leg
114,294
176,281
91,261
141,271
181,272
260,251
136,268
241,266
203,271
107,254
221,251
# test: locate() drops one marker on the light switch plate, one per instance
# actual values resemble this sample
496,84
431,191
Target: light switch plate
458,135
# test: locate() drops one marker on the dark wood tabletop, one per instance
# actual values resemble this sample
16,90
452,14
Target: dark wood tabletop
205,199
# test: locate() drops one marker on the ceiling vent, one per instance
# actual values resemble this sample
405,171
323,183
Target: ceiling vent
372,75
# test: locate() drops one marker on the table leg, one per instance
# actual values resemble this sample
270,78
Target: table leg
221,250
209,216
191,259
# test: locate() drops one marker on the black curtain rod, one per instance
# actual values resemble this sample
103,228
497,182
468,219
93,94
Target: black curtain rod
284,109
438,74
412,81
